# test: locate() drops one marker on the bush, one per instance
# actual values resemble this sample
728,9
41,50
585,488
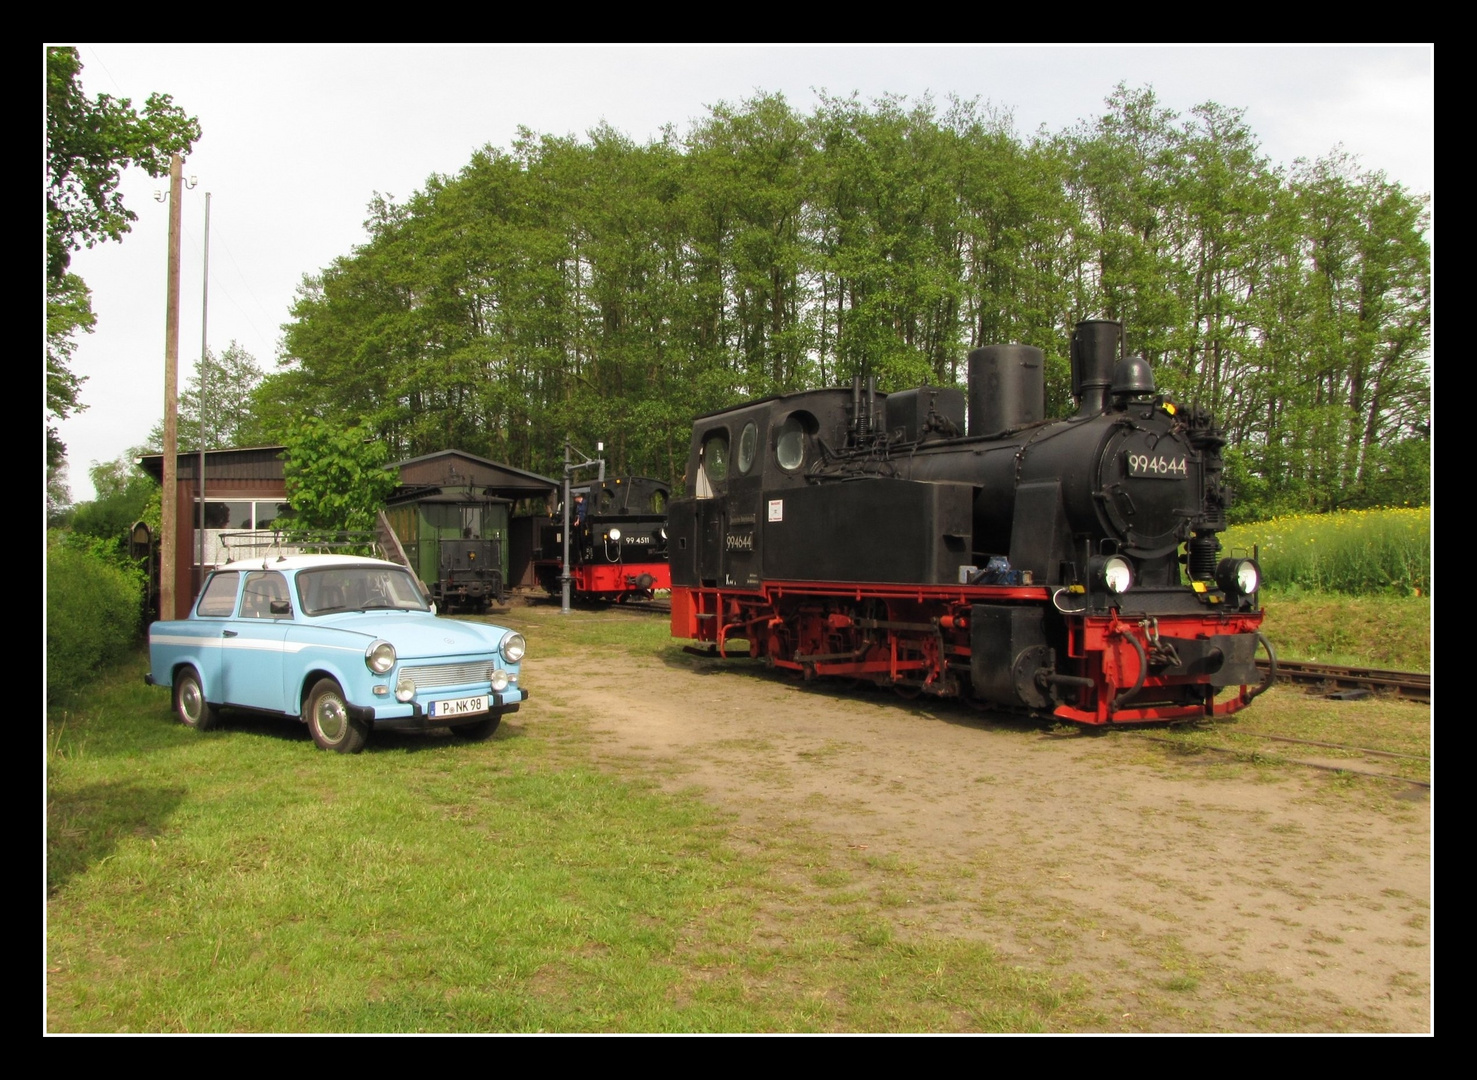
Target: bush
1358,552
94,609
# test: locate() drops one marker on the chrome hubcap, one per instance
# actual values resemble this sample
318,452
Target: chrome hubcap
333,719
189,700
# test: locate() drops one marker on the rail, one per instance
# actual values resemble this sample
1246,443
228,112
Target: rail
1412,685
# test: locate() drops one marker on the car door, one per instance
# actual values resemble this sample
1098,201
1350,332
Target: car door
209,626
252,657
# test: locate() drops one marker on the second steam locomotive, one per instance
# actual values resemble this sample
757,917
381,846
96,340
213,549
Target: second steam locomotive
1064,567
617,542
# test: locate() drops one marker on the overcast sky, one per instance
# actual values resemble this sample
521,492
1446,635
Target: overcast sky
297,140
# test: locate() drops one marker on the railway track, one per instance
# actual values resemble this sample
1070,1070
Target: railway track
1412,685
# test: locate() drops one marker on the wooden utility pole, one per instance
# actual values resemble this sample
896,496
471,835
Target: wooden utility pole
169,497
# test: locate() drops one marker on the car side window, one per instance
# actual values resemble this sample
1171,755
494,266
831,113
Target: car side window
219,598
262,587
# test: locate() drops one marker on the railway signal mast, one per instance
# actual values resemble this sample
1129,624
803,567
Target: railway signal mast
570,468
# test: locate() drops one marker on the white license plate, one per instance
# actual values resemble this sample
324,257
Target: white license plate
462,706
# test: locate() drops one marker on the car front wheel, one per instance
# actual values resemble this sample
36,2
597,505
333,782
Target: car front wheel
327,716
190,705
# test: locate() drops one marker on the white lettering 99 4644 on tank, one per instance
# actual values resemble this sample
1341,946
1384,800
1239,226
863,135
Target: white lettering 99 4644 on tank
1148,465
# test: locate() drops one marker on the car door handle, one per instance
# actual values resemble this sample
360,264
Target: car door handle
228,633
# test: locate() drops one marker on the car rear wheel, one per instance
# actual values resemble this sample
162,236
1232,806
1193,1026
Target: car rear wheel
190,705
327,717
479,729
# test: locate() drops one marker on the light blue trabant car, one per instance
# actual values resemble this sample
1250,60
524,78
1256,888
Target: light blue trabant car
346,645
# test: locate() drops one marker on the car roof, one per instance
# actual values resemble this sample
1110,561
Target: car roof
305,562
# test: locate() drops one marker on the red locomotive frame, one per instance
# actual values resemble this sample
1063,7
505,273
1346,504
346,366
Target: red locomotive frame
923,644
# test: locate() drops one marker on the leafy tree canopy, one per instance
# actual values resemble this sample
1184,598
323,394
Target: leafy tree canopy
601,289
89,142
230,378
336,477
125,494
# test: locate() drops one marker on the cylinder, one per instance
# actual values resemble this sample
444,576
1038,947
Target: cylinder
1007,388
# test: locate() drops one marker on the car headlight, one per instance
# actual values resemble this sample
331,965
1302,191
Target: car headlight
615,534
499,681
405,689
380,656
513,646
1110,573
1240,577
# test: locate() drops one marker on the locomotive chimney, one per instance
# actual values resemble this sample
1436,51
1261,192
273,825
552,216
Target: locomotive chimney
1095,348
1007,388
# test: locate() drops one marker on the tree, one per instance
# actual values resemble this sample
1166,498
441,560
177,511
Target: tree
125,494
89,142
336,477
231,385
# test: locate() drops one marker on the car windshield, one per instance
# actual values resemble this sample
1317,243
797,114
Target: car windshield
358,588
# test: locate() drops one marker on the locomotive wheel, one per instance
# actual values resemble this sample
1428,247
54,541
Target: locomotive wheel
327,716
906,691
190,706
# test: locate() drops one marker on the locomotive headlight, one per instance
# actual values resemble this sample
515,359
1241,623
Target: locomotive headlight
513,647
380,656
1110,573
1240,577
615,534
663,531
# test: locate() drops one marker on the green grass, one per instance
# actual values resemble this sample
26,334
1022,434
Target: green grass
1357,552
1391,633
242,881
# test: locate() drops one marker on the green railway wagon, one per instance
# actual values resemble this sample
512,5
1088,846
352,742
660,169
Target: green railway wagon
456,543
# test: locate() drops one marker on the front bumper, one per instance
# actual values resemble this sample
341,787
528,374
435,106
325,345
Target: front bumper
412,716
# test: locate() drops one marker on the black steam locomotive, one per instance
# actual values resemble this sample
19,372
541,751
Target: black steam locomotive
1069,567
618,542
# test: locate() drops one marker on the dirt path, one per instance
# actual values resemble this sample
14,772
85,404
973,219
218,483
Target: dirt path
1226,897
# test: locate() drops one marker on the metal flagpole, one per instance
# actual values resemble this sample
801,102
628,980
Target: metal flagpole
204,369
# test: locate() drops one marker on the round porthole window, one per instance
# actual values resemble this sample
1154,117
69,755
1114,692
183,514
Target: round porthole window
789,444
715,457
748,447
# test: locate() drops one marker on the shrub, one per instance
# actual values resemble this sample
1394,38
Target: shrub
94,609
1358,552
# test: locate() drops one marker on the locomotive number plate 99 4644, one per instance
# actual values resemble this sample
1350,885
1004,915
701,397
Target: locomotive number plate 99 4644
1160,467
465,706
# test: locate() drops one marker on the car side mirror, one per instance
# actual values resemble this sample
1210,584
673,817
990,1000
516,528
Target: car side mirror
280,607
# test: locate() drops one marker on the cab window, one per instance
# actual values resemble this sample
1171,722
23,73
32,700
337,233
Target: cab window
712,464
789,444
748,447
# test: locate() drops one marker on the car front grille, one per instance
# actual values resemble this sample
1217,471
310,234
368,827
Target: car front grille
433,675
